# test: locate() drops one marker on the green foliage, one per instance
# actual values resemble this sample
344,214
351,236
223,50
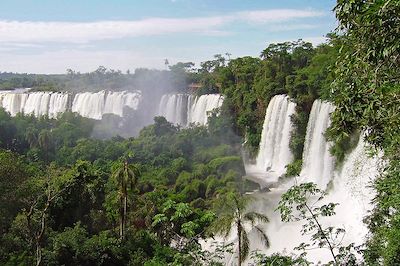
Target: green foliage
65,193
294,168
13,173
366,94
299,203
278,259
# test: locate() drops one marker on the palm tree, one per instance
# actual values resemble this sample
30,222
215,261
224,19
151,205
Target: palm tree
31,137
126,176
234,215
45,142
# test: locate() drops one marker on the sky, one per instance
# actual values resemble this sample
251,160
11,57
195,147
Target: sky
51,36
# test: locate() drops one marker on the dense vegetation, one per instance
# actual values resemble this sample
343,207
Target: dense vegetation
367,96
68,198
61,191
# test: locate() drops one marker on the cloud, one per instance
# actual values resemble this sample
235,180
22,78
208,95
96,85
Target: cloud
277,15
84,32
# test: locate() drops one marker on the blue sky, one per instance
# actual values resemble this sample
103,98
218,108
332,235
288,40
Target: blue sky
49,36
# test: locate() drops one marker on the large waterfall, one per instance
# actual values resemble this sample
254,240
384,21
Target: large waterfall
87,104
350,184
184,109
274,152
318,163
36,103
94,105
198,107
174,107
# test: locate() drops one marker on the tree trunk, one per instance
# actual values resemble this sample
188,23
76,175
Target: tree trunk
322,233
38,254
121,219
239,231
125,210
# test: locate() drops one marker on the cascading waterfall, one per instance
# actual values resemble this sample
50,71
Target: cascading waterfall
352,190
318,163
13,102
58,104
350,186
94,105
87,104
115,102
184,109
174,108
200,106
36,103
274,152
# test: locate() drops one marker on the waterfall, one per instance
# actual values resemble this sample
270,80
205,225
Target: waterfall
87,104
174,108
318,163
58,104
13,102
200,106
36,103
352,188
115,102
184,109
274,152
94,105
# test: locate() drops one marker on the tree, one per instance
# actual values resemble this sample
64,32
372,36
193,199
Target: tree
296,204
233,215
127,176
45,142
45,191
13,172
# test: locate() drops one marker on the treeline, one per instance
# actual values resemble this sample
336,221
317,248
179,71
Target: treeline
176,78
9,81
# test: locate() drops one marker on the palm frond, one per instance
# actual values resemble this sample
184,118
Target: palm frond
263,236
256,217
222,225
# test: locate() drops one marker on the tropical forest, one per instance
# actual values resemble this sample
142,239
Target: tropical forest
287,156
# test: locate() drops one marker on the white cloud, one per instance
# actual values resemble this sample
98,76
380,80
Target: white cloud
277,15
84,32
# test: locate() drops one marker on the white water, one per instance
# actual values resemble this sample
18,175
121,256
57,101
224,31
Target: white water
350,187
318,163
115,102
185,109
174,108
13,102
274,152
198,107
94,105
36,103
87,104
